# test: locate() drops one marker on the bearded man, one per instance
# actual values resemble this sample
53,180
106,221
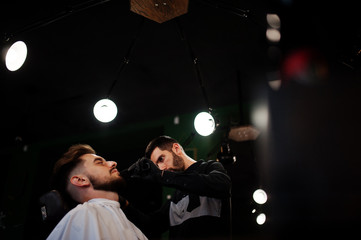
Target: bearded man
92,183
200,205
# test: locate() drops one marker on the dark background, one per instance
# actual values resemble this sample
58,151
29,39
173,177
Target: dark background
307,157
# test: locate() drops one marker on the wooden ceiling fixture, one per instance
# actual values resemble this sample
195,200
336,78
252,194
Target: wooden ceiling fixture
159,10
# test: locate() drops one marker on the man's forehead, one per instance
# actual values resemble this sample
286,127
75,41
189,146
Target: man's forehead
89,156
156,153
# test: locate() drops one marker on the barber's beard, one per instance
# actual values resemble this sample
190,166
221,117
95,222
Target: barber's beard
112,185
178,163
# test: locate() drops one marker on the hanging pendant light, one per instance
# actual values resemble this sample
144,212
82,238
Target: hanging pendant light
204,124
16,56
105,110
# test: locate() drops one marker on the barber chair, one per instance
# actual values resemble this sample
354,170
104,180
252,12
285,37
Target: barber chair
52,207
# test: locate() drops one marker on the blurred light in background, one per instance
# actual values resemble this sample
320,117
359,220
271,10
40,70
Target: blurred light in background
306,66
274,23
259,116
261,219
260,196
273,35
273,20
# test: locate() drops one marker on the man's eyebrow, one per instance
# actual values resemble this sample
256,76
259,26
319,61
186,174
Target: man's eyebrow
98,159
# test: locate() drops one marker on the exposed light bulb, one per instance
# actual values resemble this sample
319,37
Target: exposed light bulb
204,124
105,110
15,56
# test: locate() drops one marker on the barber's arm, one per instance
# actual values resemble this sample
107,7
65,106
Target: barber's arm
153,223
214,182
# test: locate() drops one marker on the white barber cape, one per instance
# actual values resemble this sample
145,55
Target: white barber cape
96,219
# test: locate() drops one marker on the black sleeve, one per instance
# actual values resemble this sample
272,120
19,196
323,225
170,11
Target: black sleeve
151,224
211,181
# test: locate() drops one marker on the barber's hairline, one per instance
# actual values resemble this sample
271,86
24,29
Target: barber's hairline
171,148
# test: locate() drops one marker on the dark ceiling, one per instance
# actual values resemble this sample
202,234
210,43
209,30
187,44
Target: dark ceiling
77,51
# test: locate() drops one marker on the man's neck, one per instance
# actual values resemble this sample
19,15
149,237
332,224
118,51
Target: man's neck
103,194
188,161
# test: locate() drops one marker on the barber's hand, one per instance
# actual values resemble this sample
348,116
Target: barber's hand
144,168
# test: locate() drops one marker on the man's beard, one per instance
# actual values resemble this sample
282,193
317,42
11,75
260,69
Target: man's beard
178,163
112,185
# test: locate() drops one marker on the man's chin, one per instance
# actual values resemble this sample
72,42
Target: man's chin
117,184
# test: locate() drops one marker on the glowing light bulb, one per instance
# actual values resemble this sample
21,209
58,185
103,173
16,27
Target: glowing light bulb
204,124
261,219
260,196
16,55
105,110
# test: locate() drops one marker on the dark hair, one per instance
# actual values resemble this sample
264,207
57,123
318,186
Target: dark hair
162,142
65,165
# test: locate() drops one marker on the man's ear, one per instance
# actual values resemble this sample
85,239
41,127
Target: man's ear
177,149
80,181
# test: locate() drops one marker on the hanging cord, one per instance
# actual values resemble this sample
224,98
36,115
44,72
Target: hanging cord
69,11
126,58
225,6
201,83
189,139
197,69
244,13
197,72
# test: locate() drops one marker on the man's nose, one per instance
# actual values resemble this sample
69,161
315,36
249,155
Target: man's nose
112,164
162,166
